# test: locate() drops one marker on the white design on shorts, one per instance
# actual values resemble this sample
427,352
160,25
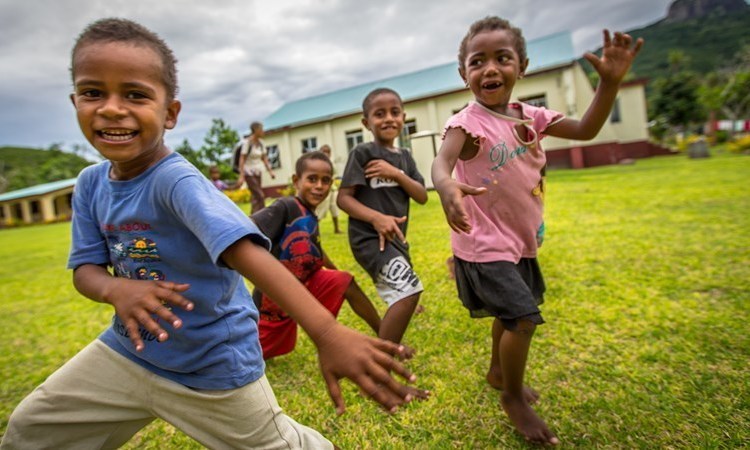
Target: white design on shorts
397,281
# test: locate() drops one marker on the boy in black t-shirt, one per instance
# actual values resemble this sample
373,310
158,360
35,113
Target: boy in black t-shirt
378,182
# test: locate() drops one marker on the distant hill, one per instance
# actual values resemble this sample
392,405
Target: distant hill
709,32
24,167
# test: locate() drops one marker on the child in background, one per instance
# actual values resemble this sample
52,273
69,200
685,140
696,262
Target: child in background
183,347
330,201
292,227
494,206
215,175
378,182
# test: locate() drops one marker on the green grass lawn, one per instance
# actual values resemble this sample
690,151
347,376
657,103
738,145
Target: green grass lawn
646,343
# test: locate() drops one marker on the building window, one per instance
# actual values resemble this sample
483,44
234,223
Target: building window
410,127
535,100
615,117
273,156
309,145
354,138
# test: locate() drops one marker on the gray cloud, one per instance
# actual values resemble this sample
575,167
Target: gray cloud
241,60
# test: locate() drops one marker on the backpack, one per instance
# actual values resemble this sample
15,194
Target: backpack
236,153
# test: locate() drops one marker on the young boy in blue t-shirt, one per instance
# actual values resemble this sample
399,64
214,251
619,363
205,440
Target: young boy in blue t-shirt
183,346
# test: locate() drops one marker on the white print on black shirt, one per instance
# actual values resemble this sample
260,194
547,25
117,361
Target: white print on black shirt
377,182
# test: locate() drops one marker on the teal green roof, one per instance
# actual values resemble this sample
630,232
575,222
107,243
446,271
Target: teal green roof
550,51
39,189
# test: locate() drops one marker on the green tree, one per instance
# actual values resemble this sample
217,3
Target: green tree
217,146
190,154
674,99
726,93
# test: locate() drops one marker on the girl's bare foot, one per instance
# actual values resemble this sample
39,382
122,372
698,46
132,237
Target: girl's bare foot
531,426
495,379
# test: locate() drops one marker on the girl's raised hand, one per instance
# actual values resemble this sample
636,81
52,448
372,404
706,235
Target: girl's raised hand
618,53
147,303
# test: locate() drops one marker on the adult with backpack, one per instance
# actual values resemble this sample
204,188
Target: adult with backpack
252,159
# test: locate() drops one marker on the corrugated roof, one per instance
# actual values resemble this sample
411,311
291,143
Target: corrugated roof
549,51
39,189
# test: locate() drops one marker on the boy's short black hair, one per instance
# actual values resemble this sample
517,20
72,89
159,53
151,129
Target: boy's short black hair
491,23
301,164
367,102
254,126
124,30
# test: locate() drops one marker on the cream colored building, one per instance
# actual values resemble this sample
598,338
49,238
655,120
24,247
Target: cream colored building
554,79
43,203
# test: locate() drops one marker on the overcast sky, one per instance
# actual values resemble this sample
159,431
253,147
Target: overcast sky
240,60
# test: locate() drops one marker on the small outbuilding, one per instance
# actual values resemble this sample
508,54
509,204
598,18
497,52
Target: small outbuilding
43,203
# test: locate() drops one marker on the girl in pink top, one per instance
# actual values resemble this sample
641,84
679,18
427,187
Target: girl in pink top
494,204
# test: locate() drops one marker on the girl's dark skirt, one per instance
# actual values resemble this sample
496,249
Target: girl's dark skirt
502,289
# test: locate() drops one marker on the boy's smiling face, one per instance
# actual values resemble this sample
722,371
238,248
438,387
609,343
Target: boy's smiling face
314,183
385,118
122,104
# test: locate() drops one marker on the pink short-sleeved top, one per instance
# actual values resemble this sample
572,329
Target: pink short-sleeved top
506,221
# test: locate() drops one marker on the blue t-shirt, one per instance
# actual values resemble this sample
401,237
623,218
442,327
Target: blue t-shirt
171,223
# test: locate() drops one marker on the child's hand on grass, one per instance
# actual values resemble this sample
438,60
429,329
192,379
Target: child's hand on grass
143,303
451,197
368,362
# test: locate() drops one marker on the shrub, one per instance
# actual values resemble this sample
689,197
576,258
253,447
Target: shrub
238,195
740,145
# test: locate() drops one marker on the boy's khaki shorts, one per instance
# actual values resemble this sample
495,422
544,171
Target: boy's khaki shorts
100,399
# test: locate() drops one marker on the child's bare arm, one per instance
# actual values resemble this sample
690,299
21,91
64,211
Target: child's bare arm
386,226
383,169
136,302
342,352
452,192
327,263
618,54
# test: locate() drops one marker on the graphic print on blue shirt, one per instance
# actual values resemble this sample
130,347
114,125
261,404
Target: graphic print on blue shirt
297,251
131,258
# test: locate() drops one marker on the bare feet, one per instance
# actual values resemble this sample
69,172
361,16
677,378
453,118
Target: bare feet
531,426
495,379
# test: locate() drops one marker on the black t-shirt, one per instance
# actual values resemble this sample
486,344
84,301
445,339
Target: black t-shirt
383,195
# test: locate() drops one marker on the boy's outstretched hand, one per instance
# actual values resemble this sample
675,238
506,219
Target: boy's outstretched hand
388,228
618,53
138,303
142,303
368,362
